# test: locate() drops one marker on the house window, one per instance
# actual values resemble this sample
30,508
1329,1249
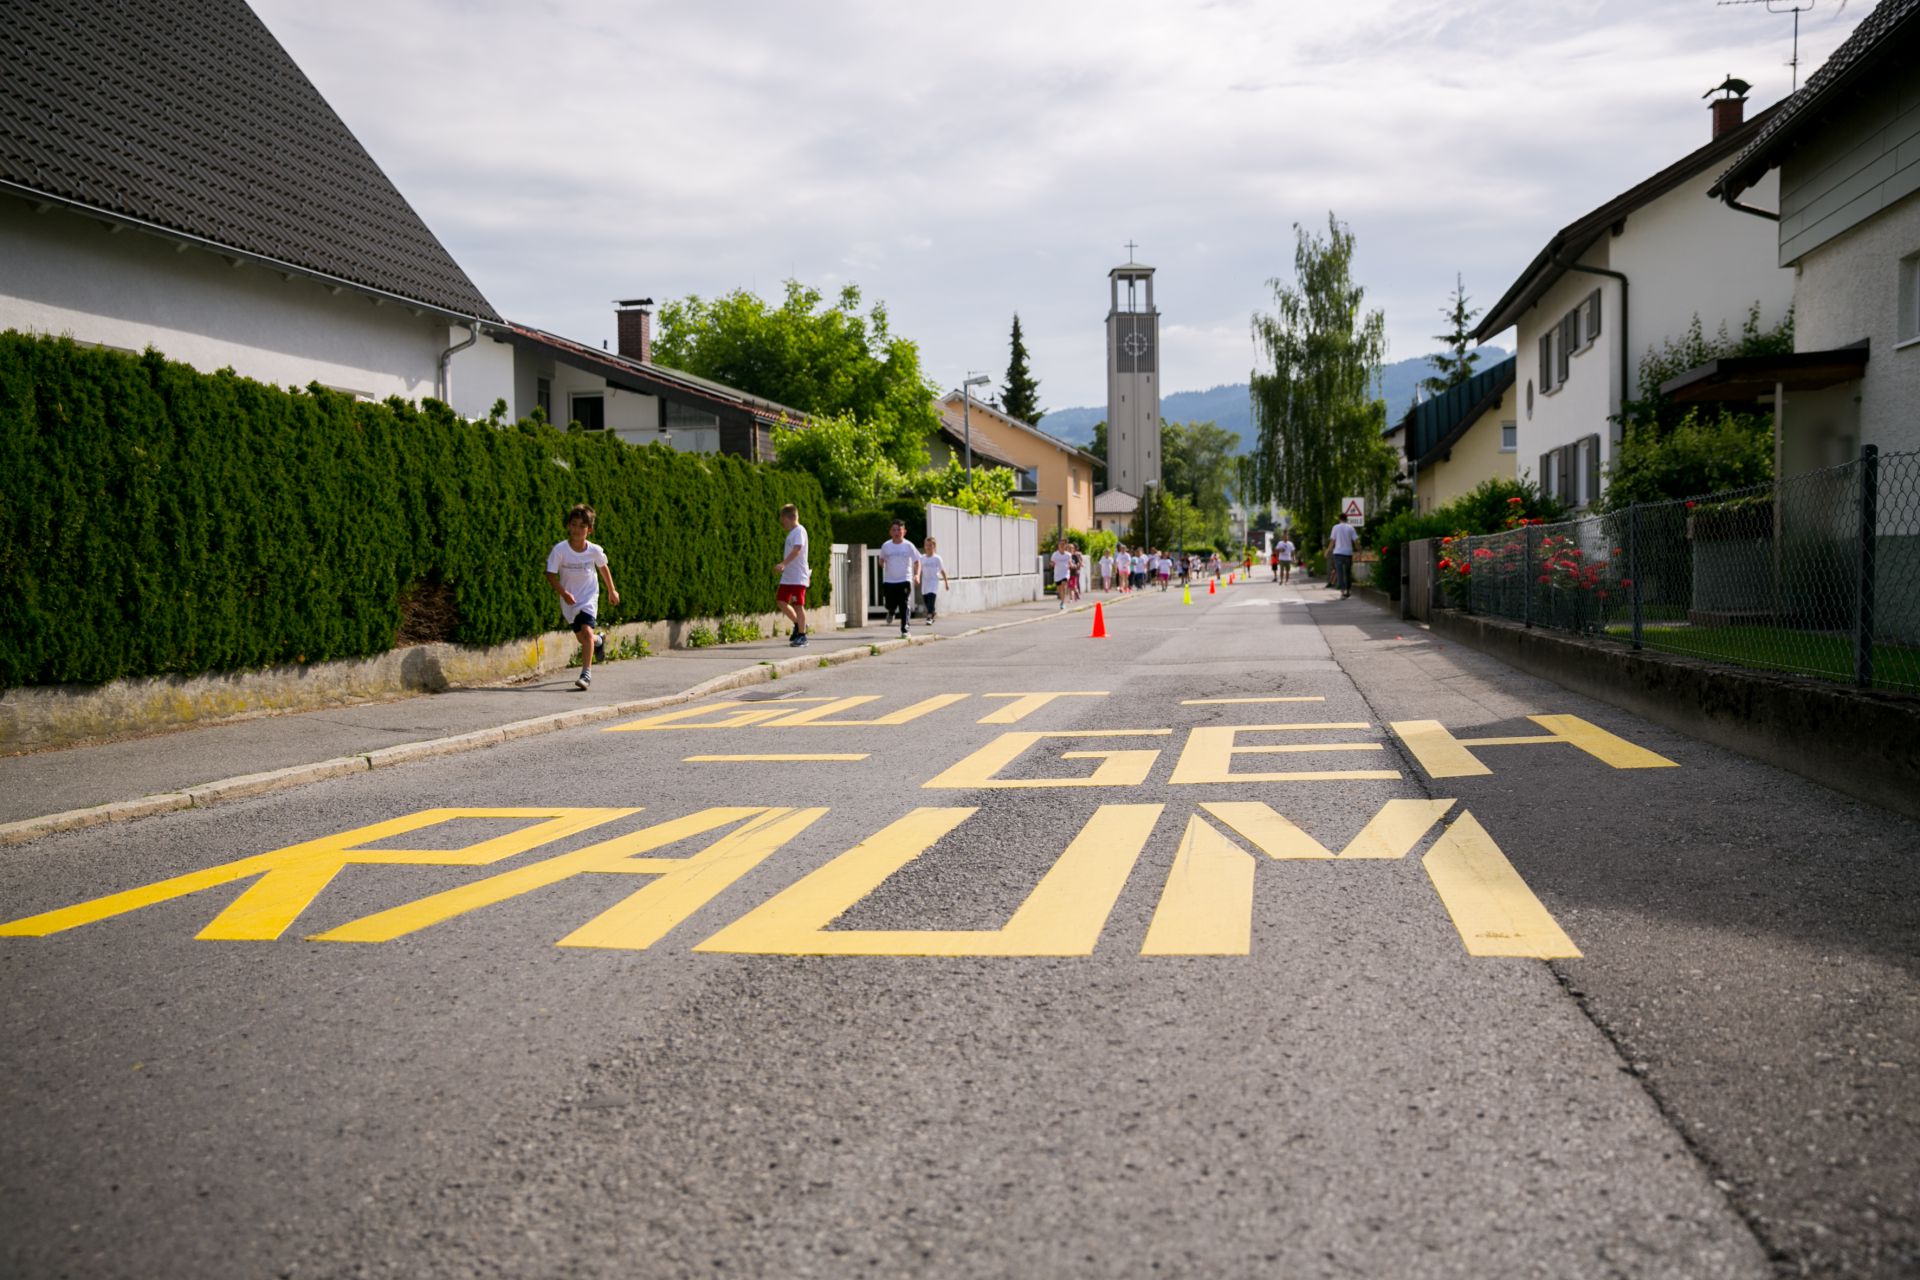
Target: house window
589,409
543,396
1908,328
1568,339
1509,436
1076,483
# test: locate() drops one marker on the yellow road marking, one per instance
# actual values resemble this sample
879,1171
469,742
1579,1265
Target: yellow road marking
290,878
411,917
1119,768
1492,908
816,716
1206,908
1212,702
754,713
1393,832
1444,756
1063,916
777,756
1209,753
1025,704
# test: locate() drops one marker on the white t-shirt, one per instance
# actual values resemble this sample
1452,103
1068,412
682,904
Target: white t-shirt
897,560
579,574
1342,539
798,573
930,567
1106,566
1123,562
1286,551
1062,566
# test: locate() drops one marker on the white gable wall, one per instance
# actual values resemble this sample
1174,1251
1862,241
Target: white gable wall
70,275
1683,254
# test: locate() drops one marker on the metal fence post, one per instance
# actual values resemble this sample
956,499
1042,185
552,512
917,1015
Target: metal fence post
1526,575
1863,598
1633,566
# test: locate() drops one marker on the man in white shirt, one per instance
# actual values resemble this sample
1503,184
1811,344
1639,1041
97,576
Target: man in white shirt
1062,560
795,576
898,558
1285,552
1340,558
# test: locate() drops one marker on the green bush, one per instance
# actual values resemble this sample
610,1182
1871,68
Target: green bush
1487,508
872,525
154,520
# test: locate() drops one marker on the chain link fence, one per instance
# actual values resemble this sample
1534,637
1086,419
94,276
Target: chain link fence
1818,575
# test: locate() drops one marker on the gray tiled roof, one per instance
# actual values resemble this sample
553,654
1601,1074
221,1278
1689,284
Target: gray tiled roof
1855,54
188,115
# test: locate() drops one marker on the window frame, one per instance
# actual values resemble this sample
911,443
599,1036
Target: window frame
573,408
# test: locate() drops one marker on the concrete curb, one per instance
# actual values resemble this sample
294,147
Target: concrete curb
255,784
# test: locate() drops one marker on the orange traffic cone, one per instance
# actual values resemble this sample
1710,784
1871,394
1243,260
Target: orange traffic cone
1230,578
1099,622
1213,586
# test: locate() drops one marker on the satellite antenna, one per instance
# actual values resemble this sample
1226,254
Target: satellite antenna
1794,7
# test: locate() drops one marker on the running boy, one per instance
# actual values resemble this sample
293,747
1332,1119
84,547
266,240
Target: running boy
1062,560
574,570
795,573
933,573
898,559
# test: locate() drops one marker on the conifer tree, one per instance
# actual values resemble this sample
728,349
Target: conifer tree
1021,399
1455,364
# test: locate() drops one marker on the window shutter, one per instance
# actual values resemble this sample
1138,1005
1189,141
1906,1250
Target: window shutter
1546,473
1546,363
1564,474
1593,469
1569,339
1593,315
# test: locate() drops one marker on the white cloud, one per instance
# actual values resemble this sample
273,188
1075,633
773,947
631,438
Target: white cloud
965,163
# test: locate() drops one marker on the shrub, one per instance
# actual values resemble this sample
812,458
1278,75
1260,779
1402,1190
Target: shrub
211,523
1492,505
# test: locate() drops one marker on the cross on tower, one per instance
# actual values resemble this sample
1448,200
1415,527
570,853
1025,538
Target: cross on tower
1131,246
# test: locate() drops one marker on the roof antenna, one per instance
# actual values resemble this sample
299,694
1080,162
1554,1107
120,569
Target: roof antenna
1794,7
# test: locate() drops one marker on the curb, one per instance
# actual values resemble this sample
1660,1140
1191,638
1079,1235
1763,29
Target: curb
256,784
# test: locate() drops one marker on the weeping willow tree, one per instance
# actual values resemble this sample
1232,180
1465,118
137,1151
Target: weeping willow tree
1316,411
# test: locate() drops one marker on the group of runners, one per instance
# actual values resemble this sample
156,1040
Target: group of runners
577,568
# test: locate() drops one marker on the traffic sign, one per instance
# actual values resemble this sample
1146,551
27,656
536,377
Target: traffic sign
1353,511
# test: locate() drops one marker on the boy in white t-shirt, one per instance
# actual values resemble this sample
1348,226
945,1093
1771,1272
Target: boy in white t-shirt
575,568
1062,561
932,572
1285,552
795,575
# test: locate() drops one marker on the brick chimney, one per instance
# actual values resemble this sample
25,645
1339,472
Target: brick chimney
1728,113
635,321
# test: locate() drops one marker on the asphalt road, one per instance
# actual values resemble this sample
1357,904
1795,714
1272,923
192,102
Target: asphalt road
885,1014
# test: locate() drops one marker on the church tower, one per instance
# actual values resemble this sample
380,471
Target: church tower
1133,390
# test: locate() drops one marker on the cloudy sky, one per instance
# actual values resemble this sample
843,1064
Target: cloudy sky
962,163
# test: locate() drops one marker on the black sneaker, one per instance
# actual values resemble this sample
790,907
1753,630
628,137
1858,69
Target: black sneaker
799,640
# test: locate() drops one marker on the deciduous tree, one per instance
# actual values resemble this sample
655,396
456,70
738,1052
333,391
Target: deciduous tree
1318,418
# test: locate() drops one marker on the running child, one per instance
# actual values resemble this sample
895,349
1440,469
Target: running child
575,568
1062,561
795,575
933,575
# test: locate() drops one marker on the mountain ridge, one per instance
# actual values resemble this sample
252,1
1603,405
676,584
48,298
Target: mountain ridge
1230,404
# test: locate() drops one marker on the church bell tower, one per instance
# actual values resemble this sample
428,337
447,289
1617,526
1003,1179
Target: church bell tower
1133,390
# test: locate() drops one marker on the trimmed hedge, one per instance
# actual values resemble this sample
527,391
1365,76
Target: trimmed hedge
874,525
154,520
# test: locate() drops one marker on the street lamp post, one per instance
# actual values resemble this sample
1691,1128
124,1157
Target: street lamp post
966,414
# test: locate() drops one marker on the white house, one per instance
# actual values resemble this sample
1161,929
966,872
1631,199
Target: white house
231,221
1844,153
1624,278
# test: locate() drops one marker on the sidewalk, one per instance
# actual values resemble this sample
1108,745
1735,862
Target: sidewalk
61,789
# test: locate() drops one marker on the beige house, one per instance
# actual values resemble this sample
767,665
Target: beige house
1056,486
1465,435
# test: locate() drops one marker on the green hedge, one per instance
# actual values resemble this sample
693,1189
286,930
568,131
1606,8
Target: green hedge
154,519
874,525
